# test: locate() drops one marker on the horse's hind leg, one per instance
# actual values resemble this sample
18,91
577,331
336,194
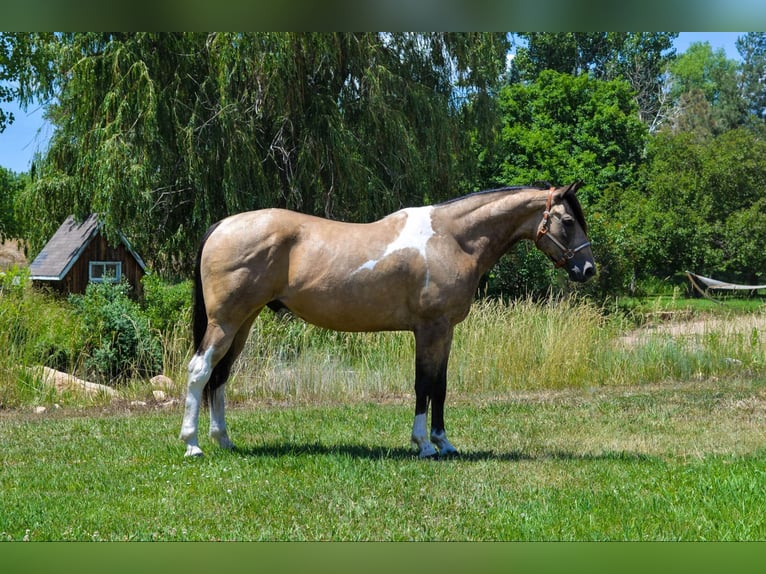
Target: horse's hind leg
217,401
214,346
200,368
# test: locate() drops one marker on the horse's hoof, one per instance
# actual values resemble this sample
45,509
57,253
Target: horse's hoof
193,451
428,454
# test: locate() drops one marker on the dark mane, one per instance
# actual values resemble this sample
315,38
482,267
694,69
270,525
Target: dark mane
570,197
510,189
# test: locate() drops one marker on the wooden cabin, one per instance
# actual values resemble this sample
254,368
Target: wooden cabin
78,254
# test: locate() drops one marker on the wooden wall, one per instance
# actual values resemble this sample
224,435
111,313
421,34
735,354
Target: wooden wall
76,281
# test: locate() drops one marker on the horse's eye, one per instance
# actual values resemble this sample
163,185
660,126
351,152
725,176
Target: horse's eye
568,221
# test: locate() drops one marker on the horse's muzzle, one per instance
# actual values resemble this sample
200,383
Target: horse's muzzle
583,272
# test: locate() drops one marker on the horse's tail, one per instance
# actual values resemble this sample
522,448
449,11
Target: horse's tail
199,325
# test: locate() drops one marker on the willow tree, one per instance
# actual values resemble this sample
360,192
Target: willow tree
162,134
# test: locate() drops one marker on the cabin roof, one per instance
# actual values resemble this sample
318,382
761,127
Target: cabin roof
65,247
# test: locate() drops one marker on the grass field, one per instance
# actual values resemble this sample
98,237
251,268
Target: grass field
673,462
572,426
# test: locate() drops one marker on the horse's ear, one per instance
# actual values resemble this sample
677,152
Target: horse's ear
574,187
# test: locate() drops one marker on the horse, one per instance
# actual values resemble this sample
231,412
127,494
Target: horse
416,270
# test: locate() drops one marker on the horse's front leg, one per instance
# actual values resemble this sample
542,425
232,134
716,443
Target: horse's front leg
432,348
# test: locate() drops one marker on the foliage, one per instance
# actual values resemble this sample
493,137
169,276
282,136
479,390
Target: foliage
752,49
704,83
11,185
115,334
164,303
694,215
163,134
562,128
35,329
745,237
641,58
25,70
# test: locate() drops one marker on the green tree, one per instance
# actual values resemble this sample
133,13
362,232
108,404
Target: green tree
675,222
704,87
641,58
745,237
162,134
752,49
561,128
697,211
10,186
25,70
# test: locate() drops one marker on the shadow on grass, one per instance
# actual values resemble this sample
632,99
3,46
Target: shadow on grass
376,453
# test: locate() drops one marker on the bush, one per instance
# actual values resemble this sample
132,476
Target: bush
117,340
166,304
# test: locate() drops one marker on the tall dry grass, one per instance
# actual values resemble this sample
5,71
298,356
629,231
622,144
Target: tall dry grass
500,347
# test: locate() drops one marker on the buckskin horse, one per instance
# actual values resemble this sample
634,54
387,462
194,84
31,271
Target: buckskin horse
417,270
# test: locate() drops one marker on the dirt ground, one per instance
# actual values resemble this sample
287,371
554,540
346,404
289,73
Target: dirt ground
698,326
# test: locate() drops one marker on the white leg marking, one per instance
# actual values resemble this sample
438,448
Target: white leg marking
199,373
420,437
218,419
440,440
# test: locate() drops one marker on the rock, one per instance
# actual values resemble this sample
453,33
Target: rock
159,396
137,403
40,410
66,382
162,383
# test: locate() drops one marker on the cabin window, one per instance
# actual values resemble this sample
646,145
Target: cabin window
105,271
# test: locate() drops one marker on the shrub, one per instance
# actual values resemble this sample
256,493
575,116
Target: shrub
166,304
116,336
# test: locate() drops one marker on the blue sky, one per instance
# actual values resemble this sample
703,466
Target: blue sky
30,133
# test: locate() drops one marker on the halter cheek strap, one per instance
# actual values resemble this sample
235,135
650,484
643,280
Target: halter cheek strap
542,231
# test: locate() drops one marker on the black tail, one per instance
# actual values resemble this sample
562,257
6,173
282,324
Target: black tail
199,325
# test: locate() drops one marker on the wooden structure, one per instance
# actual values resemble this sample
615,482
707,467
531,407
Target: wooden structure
78,254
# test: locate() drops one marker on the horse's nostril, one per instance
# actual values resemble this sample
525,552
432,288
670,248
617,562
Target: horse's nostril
589,270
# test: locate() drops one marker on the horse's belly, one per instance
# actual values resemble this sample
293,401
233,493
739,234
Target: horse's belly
344,312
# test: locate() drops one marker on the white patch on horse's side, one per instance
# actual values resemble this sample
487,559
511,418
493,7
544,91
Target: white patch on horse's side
415,234
420,437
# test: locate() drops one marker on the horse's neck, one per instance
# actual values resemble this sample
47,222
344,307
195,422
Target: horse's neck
488,226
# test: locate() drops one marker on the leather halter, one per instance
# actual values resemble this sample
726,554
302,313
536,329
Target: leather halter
542,231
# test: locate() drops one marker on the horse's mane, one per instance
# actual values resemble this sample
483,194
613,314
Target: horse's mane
509,189
571,198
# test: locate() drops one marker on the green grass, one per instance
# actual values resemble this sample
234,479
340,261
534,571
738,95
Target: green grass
647,308
572,426
678,462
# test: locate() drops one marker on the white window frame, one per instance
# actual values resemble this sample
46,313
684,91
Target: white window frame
103,265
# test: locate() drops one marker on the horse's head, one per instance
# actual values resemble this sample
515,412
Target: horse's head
562,234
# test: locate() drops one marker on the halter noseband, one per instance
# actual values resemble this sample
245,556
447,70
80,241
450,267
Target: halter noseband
545,226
